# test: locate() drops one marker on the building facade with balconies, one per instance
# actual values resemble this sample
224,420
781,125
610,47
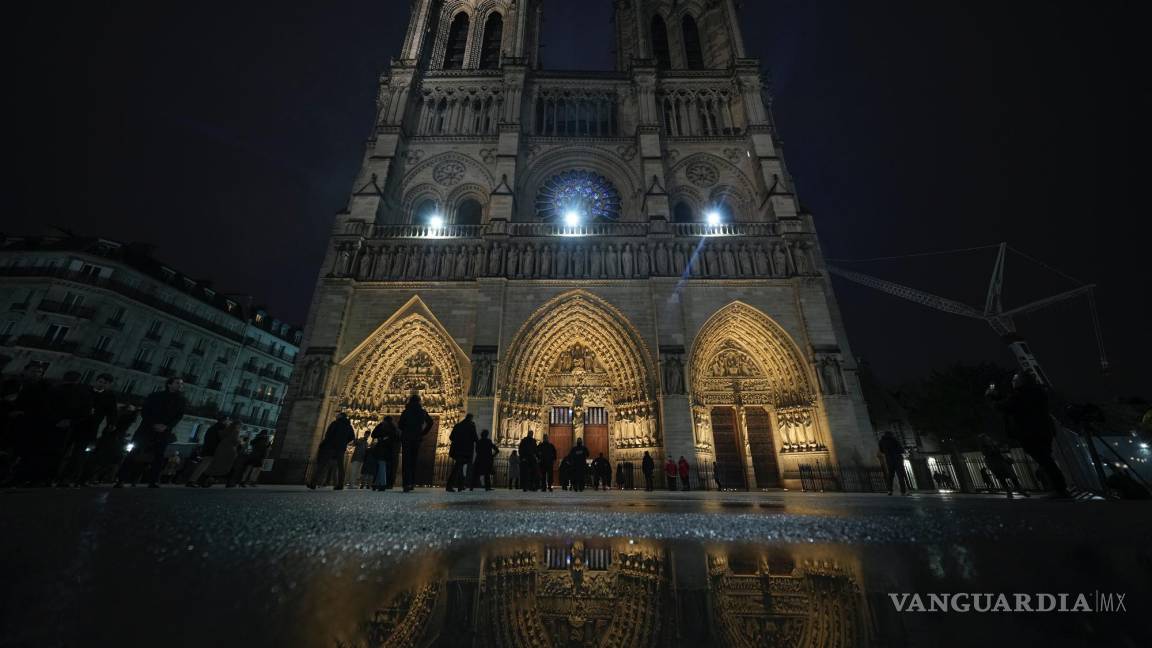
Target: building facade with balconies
98,306
618,257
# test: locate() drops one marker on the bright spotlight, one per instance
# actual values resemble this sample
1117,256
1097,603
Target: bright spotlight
436,222
713,218
572,218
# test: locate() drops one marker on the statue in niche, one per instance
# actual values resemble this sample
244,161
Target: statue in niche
397,271
679,260
495,262
661,260
546,261
673,375
431,264
526,261
482,376
800,256
780,261
613,265
313,380
642,261
462,262
597,262
365,271
414,260
626,260
747,268
578,261
833,376
729,261
513,261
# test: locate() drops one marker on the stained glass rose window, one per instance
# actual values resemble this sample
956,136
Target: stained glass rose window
589,194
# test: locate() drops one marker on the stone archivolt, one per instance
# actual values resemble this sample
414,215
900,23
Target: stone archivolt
742,358
410,354
579,350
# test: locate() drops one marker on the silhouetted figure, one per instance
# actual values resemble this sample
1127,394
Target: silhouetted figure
893,454
161,412
228,454
1026,407
330,454
685,473
671,472
601,473
199,476
578,465
716,476
1000,466
356,461
26,414
387,452
484,468
988,478
461,447
546,456
564,472
255,464
72,406
414,425
110,447
529,471
514,470
620,475
80,463
648,467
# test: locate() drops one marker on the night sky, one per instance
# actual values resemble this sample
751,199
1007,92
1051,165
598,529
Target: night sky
227,134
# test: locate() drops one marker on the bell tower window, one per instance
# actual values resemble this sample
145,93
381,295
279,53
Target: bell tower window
693,52
493,38
457,43
660,50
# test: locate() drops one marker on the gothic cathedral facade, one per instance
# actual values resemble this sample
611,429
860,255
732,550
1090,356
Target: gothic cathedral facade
615,256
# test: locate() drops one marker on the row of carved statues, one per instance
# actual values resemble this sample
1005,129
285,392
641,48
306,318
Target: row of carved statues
444,261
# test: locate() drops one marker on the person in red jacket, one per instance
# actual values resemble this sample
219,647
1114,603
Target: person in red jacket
684,468
670,473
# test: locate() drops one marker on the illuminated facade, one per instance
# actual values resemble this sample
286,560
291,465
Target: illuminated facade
613,256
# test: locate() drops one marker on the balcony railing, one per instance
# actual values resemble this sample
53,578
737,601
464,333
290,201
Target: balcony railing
537,229
61,308
39,342
140,365
122,288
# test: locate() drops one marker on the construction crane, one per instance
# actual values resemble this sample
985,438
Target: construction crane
1002,321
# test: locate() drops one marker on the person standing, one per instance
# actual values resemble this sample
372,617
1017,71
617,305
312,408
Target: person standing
359,455
387,451
578,458
162,411
72,407
255,465
109,452
330,454
671,472
26,402
893,454
620,475
685,474
208,452
103,414
461,447
1026,407
482,470
546,455
999,466
228,453
415,424
514,470
564,473
648,467
601,473
716,476
529,471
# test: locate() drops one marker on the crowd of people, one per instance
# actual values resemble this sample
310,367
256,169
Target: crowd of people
71,434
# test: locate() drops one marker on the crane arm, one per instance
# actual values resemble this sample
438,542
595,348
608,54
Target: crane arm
911,294
1048,301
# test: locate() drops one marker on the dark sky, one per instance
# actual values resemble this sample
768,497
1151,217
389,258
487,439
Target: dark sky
228,134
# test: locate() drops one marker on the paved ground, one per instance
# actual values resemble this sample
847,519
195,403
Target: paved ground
75,560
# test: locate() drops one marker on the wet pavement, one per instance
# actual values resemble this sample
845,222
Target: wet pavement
290,567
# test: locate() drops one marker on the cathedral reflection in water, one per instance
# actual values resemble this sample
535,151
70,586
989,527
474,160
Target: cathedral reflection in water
624,593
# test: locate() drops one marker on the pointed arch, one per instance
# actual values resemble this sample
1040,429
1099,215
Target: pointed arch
457,45
493,39
693,50
740,343
661,51
410,352
579,317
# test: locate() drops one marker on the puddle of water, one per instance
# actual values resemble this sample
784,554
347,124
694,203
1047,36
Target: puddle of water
574,592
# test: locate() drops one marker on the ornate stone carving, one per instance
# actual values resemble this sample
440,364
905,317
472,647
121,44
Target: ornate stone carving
702,175
448,173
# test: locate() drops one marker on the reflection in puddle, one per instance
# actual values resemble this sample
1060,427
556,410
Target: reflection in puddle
585,593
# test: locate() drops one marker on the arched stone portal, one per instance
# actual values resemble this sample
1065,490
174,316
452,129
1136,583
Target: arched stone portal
579,369
411,353
753,396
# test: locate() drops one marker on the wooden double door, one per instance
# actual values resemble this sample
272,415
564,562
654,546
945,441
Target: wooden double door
562,431
729,438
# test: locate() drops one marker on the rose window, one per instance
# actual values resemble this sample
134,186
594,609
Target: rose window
579,195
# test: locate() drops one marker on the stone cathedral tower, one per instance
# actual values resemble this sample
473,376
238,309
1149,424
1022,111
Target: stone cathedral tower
614,256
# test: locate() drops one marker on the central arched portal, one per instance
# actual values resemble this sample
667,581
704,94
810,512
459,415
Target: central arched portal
579,369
